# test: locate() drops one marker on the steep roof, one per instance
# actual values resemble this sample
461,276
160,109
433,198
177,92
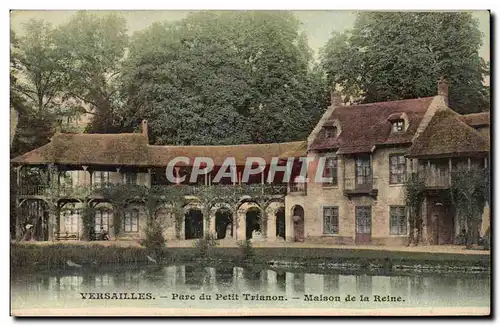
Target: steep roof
476,119
448,135
132,149
106,149
161,155
367,125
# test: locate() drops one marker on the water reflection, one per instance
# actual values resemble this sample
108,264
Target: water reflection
59,285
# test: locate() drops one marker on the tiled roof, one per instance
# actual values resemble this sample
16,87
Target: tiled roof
132,149
366,125
477,119
447,135
105,149
161,155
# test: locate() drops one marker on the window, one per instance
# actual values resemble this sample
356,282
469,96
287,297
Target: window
363,171
131,178
329,132
397,168
71,219
363,219
101,219
330,171
330,220
398,125
398,220
131,221
100,177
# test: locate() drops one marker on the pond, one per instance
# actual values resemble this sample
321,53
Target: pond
233,287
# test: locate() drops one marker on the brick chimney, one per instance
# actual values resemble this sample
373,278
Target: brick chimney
335,98
443,88
144,124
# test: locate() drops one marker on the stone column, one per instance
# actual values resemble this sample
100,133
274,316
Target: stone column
423,212
241,228
211,226
289,225
52,223
271,226
111,226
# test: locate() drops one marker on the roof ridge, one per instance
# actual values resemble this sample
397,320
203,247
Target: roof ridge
233,145
392,101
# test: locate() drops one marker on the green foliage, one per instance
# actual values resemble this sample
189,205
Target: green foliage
469,193
400,55
87,255
247,250
223,78
414,186
34,87
88,220
120,196
93,47
154,240
205,246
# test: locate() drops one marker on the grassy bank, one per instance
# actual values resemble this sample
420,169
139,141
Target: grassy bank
25,255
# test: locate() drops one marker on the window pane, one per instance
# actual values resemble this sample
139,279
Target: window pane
330,220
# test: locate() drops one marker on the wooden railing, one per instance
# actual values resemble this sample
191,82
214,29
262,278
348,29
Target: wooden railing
360,184
297,188
433,179
188,190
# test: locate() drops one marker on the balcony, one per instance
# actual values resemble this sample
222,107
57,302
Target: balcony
297,188
360,187
221,190
433,180
96,190
62,191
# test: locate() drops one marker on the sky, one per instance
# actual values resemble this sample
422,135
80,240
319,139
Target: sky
318,24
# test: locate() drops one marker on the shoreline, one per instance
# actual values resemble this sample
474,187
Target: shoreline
363,258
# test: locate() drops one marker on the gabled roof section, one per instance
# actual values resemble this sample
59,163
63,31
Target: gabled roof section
447,135
367,125
475,120
105,149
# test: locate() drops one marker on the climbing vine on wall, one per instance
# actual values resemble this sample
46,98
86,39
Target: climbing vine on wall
469,192
88,221
413,196
120,196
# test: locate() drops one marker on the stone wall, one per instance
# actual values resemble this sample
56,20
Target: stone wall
319,196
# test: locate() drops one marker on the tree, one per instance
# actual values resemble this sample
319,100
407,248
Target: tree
94,48
390,56
223,78
35,85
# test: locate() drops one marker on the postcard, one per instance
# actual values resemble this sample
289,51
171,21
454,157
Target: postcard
250,163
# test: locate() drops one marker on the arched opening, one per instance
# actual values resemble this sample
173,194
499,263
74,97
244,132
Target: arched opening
253,221
298,223
280,223
224,223
34,225
193,224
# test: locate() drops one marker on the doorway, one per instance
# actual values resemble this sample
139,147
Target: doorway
193,224
363,224
298,223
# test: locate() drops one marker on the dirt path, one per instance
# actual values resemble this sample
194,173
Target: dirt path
452,249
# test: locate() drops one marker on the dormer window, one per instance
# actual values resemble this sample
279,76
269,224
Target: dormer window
398,125
330,132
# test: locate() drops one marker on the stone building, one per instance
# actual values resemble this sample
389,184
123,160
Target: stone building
370,150
367,151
